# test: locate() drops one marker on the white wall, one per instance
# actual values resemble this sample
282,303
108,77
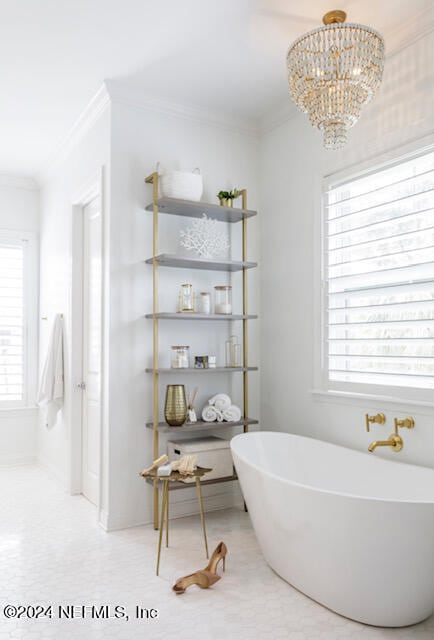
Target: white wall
72,171
293,163
19,210
19,204
141,137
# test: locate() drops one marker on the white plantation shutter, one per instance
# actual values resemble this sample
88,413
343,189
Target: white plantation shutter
12,321
379,277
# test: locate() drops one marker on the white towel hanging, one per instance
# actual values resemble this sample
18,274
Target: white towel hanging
51,384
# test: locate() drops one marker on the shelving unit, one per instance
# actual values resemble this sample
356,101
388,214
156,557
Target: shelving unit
187,208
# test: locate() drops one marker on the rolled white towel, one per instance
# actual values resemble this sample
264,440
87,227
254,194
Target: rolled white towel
220,417
221,401
209,413
232,414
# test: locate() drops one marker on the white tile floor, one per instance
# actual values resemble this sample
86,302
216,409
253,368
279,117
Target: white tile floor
53,552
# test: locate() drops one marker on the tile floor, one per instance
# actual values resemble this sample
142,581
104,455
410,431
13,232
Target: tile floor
53,552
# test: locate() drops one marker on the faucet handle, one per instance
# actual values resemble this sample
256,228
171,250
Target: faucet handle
407,423
380,418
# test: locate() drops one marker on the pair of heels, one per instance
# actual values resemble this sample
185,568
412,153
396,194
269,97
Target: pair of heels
206,577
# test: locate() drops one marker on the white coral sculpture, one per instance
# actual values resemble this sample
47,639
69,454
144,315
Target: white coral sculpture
205,237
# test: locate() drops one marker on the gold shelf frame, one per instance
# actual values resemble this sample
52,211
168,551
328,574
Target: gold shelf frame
153,179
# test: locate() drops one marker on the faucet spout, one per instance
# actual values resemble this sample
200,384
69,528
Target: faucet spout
378,443
394,442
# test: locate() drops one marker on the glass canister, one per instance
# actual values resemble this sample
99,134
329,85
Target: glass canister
180,357
223,299
233,352
186,302
205,302
175,408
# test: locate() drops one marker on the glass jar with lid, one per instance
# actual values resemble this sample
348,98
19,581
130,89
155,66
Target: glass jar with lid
223,299
180,357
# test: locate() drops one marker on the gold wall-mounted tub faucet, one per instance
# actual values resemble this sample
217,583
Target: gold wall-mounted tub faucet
394,441
380,418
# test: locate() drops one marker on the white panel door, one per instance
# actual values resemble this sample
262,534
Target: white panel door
92,294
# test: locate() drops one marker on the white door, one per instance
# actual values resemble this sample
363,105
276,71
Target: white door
92,294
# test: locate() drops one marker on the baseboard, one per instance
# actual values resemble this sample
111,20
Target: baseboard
114,522
13,461
103,520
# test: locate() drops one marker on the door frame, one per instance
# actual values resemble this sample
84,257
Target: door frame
93,188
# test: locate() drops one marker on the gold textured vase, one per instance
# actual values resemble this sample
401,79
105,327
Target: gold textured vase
175,408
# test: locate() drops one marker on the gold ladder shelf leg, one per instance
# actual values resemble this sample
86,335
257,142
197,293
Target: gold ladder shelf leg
164,501
153,179
245,323
202,515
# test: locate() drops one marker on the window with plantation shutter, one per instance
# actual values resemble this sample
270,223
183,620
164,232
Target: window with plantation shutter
379,277
13,356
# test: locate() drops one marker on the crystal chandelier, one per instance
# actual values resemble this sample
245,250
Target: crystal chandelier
332,72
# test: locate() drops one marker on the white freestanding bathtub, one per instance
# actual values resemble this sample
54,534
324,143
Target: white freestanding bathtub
348,529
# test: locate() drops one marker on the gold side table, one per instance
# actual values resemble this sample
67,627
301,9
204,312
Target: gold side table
175,476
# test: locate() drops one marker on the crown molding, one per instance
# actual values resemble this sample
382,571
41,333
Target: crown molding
139,100
88,117
10,181
410,31
110,93
278,116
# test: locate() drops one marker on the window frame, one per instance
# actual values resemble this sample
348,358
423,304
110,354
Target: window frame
362,390
30,314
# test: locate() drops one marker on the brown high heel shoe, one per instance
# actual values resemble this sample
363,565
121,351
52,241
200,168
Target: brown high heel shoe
202,579
218,554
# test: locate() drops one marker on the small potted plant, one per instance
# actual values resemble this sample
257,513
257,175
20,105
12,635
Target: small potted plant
227,197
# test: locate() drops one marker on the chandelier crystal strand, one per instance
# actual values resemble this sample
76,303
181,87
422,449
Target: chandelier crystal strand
332,72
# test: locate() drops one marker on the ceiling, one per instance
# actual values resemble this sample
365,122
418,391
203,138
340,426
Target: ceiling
228,55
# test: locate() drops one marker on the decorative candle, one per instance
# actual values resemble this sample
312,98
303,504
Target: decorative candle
205,302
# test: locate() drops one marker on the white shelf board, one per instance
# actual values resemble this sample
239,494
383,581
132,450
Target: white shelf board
200,316
185,262
199,370
191,209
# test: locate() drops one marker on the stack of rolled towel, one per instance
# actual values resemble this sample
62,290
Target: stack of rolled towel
221,409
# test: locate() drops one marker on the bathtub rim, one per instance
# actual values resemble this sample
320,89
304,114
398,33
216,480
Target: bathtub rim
308,487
